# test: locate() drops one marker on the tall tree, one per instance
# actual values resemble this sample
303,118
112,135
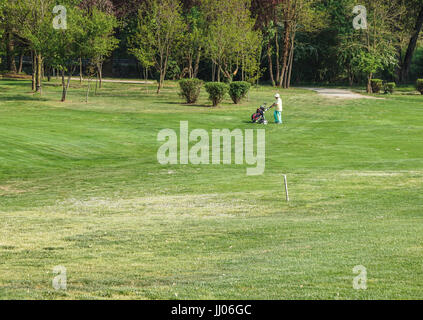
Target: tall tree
297,15
159,30
266,14
9,33
373,48
99,39
88,6
33,20
417,9
65,46
229,27
192,43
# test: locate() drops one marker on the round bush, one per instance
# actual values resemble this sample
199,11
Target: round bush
190,89
238,90
390,87
217,92
419,85
377,85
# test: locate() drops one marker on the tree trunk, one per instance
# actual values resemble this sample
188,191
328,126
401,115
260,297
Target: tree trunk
20,63
369,83
100,75
350,76
286,46
63,86
277,56
80,70
34,70
411,47
269,58
290,63
66,87
197,63
39,72
159,87
10,53
289,13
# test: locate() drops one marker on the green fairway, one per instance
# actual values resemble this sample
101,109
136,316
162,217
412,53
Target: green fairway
81,187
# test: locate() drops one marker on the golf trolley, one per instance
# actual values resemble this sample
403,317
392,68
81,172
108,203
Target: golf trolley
259,117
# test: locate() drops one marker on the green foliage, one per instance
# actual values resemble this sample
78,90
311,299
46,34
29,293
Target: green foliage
389,87
239,90
372,50
173,70
190,89
158,35
99,40
217,92
419,85
231,37
377,85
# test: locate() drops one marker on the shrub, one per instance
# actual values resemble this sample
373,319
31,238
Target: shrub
190,89
419,85
390,87
217,92
376,85
238,90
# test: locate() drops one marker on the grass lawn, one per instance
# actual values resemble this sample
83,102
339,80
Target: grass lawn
80,186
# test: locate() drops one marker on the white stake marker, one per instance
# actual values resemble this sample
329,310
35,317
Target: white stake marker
286,187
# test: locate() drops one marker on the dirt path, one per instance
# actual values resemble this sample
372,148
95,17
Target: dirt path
339,93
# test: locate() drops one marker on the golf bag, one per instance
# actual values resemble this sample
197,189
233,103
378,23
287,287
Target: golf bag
259,117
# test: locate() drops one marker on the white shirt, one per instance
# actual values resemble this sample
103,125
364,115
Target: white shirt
278,104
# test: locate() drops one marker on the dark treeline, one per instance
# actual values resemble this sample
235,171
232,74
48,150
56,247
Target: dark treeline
277,41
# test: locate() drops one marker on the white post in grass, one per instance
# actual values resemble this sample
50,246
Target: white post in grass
286,187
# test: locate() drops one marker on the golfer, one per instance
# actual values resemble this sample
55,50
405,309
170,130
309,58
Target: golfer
278,109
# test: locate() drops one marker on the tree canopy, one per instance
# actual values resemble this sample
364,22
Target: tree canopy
280,41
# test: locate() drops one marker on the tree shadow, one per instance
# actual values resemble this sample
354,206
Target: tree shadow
15,82
196,105
21,98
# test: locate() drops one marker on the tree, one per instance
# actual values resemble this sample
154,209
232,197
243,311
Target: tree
99,42
99,31
8,34
33,20
374,48
266,13
159,30
192,43
2,8
230,29
65,46
417,11
142,45
297,15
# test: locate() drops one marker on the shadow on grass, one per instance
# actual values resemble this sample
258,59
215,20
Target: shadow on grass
190,104
15,82
28,97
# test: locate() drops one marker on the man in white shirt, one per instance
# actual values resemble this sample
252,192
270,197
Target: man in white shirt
278,109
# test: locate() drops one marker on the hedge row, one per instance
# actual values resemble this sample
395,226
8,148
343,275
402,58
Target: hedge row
389,87
191,88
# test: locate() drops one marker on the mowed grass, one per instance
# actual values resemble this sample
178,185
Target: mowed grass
80,187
